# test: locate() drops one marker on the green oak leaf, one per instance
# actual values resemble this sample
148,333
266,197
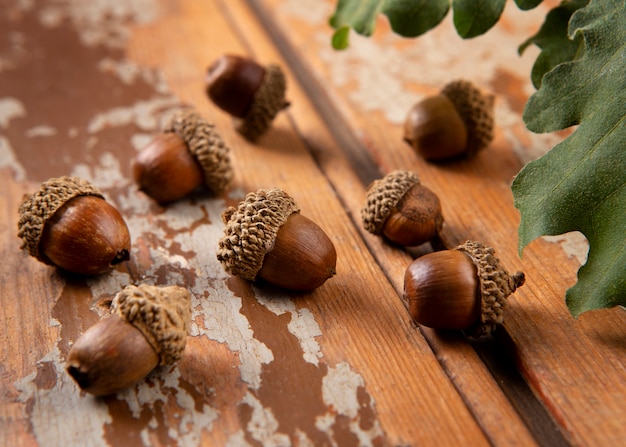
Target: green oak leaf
580,185
409,19
475,17
414,18
552,38
525,5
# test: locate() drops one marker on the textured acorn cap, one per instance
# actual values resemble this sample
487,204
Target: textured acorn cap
37,208
269,99
476,111
383,195
251,230
161,314
495,286
206,145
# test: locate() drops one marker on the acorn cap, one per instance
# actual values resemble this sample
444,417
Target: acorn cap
251,230
269,99
161,314
495,286
206,145
383,195
37,208
476,111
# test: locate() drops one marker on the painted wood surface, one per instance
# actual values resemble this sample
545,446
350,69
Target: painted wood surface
85,85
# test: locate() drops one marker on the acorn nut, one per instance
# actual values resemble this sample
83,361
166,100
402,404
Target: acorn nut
267,238
402,210
68,223
458,122
188,154
148,327
464,288
251,93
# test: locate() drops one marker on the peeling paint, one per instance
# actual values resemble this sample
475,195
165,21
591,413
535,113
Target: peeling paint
302,325
100,22
142,114
171,245
382,73
10,108
263,426
310,11
41,131
8,160
76,418
574,244
341,390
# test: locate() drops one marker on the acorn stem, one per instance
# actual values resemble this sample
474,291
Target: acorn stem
517,280
121,256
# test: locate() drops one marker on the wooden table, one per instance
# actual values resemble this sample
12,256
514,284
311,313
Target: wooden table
84,86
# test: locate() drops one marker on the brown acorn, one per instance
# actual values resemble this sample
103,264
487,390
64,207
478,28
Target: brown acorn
461,289
251,93
188,154
402,210
267,238
148,327
68,223
456,123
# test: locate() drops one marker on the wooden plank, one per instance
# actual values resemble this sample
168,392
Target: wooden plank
469,374
339,366
583,383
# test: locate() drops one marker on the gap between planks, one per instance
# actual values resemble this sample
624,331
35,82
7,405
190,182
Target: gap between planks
492,352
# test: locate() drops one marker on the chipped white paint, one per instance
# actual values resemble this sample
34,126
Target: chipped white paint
216,311
75,417
382,73
10,108
107,285
574,244
238,440
263,426
105,174
141,140
190,422
302,324
125,70
41,131
310,11
99,22
144,114
339,390
8,160
526,145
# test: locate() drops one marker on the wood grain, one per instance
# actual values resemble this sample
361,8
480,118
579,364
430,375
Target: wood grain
478,204
342,365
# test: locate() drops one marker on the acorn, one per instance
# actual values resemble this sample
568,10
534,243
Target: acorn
188,154
464,288
456,123
68,223
267,238
249,92
147,327
402,210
